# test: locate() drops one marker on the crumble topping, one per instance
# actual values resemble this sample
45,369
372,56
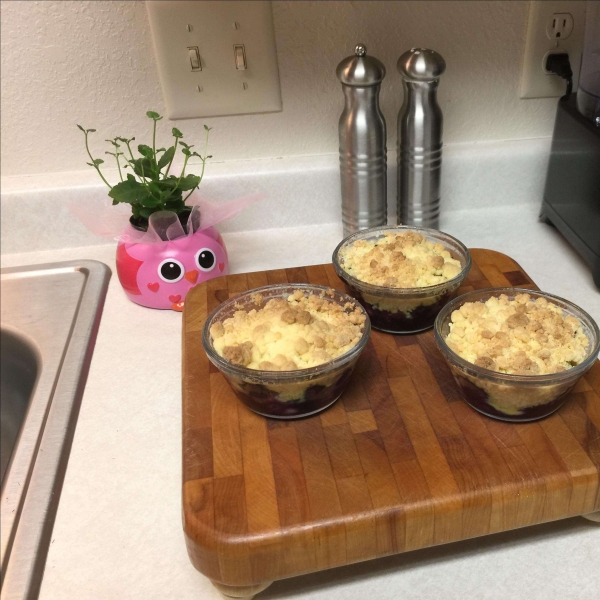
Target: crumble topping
400,260
521,336
287,334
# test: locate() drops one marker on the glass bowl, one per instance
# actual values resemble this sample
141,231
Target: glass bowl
403,310
509,397
286,394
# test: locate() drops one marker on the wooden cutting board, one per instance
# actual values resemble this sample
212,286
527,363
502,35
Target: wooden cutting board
400,462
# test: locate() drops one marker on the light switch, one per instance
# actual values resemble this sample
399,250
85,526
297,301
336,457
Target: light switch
247,82
194,54
240,57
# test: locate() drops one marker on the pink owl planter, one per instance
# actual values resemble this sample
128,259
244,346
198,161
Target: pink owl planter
160,275
158,267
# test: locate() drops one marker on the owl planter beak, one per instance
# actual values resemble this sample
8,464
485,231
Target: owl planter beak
191,276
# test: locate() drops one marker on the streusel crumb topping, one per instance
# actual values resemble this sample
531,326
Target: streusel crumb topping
400,260
288,334
521,336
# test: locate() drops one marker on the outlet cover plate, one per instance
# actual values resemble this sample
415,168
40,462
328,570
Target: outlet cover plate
218,88
535,82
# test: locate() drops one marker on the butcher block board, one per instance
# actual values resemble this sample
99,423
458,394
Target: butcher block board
400,462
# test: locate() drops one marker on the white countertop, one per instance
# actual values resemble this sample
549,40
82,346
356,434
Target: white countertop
118,531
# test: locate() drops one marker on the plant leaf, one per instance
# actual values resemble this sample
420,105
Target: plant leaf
189,182
166,158
129,191
175,200
80,127
176,133
153,115
154,189
169,183
145,212
145,151
149,201
143,167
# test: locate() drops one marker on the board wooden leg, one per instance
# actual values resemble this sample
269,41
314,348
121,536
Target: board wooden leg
246,591
595,516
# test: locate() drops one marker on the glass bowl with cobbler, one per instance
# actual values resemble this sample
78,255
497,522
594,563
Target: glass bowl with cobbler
402,276
287,350
516,354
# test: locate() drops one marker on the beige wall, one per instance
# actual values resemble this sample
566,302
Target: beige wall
93,63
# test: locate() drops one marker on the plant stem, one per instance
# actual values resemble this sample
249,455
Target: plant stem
171,162
119,164
204,159
92,159
131,162
143,180
127,143
203,167
187,157
191,193
154,140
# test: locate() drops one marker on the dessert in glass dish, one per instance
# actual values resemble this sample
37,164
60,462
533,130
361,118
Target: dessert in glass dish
287,350
403,276
516,354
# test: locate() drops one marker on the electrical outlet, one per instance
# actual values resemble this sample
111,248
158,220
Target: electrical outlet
553,26
215,58
560,26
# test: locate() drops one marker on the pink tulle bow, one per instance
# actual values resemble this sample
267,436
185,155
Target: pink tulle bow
108,221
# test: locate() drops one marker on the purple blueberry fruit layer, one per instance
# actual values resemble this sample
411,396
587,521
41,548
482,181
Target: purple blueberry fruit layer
264,401
479,399
420,318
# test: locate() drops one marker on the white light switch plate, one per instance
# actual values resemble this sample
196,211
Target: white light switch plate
535,82
218,87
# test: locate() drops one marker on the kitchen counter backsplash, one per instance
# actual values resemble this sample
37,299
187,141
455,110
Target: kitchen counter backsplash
302,190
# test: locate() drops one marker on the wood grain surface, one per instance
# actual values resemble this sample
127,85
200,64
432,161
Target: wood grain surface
400,462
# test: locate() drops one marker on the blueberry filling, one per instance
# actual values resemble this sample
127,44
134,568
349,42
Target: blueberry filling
262,400
420,318
480,400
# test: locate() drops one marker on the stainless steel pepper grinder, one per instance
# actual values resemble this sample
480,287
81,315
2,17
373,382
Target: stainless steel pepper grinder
363,152
420,139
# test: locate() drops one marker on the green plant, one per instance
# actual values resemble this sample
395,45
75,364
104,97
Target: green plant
150,188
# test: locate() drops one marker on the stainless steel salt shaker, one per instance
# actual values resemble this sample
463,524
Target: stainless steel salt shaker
363,152
420,139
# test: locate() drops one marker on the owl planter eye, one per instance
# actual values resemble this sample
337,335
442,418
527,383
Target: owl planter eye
171,270
205,259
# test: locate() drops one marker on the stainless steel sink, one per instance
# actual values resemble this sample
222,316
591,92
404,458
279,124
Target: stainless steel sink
50,319
20,366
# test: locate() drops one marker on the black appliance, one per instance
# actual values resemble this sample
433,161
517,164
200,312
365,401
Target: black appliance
572,193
